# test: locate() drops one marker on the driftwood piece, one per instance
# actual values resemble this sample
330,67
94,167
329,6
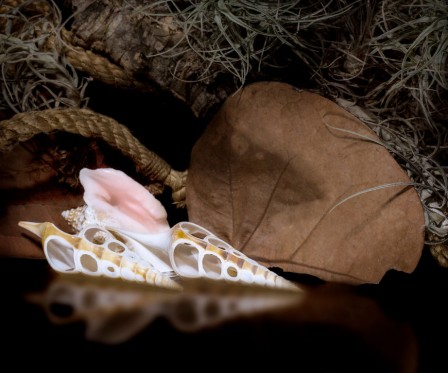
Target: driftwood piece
150,50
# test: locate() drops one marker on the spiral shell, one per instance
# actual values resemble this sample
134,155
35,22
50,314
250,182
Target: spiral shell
195,252
151,247
96,252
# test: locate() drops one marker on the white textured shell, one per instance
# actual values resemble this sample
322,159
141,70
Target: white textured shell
152,247
196,252
96,252
119,204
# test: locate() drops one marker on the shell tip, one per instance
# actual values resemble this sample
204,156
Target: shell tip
36,228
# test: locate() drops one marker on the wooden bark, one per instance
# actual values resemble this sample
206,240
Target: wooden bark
150,50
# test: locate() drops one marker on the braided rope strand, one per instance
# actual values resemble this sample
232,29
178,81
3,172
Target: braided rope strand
89,124
100,68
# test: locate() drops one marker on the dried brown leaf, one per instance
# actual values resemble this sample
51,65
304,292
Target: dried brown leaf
269,171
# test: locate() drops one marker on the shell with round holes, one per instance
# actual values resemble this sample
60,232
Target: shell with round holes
195,252
95,251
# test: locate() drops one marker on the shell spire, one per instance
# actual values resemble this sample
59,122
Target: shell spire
47,229
77,217
36,228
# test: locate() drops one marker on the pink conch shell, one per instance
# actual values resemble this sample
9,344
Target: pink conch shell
118,203
121,201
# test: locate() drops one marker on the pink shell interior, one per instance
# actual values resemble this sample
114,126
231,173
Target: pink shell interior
112,193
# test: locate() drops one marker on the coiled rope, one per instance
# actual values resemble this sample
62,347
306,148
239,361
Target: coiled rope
84,122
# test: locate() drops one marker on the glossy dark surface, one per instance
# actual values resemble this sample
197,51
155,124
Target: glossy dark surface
398,325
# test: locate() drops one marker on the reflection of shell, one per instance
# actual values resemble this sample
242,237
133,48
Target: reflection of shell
196,311
111,314
96,252
196,252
